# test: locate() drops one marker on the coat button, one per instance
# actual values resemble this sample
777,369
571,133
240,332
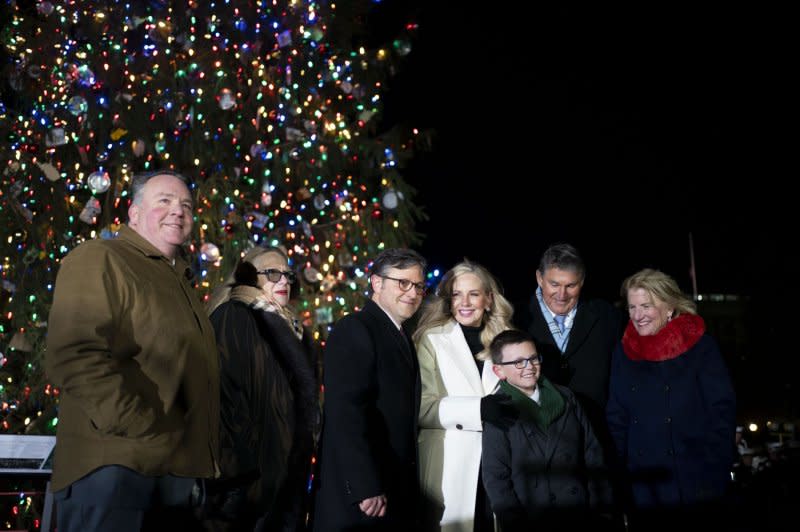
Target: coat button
635,420
670,452
633,388
666,387
459,426
667,419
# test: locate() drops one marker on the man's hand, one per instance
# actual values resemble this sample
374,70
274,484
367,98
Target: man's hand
374,506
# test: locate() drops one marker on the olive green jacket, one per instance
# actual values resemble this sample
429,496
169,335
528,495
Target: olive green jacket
133,353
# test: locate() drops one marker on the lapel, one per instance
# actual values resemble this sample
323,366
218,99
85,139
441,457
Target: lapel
540,327
489,380
391,333
459,354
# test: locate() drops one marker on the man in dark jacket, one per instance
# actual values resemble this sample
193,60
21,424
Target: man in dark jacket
368,476
541,472
574,337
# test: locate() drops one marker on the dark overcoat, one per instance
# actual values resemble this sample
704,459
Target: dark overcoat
536,477
673,424
369,439
270,413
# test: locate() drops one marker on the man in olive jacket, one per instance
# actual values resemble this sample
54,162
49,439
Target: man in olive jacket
133,353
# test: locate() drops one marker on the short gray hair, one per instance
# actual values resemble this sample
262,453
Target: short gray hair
140,180
563,257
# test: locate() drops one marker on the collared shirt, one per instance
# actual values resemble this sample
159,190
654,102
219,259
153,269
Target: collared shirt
535,396
560,338
399,327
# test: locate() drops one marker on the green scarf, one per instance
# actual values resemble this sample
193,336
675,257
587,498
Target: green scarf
551,404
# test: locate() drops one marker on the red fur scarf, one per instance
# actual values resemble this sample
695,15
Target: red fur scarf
674,339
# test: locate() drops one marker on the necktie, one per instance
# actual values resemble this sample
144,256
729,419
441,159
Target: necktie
560,322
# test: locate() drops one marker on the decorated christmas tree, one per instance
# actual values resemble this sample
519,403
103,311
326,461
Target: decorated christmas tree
272,108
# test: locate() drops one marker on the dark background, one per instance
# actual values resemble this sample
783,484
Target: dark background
620,130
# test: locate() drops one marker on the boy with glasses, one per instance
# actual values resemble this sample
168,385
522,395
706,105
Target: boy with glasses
542,471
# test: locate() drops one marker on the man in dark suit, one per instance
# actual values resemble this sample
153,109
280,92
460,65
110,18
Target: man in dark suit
368,476
575,337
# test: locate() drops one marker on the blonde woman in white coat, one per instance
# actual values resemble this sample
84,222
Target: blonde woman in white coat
452,337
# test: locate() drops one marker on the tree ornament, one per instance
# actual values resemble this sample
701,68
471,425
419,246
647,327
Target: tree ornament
77,105
55,137
209,252
137,147
85,76
90,211
391,199
49,171
284,39
44,8
294,134
258,150
226,99
345,259
324,315
98,182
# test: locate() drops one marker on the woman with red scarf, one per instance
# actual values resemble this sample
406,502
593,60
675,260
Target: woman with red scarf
671,410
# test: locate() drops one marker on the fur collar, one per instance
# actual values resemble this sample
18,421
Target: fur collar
256,298
674,339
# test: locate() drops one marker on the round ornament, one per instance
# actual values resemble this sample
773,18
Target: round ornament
209,252
44,8
98,181
390,199
77,105
226,99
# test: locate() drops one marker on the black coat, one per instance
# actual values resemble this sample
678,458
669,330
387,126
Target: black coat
674,423
270,414
551,477
585,366
369,438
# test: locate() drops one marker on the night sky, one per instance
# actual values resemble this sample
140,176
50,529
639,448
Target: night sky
679,118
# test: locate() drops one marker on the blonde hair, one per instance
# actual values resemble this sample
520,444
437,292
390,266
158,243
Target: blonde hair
438,310
659,286
223,293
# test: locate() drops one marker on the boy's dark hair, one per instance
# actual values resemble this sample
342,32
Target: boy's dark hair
509,337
